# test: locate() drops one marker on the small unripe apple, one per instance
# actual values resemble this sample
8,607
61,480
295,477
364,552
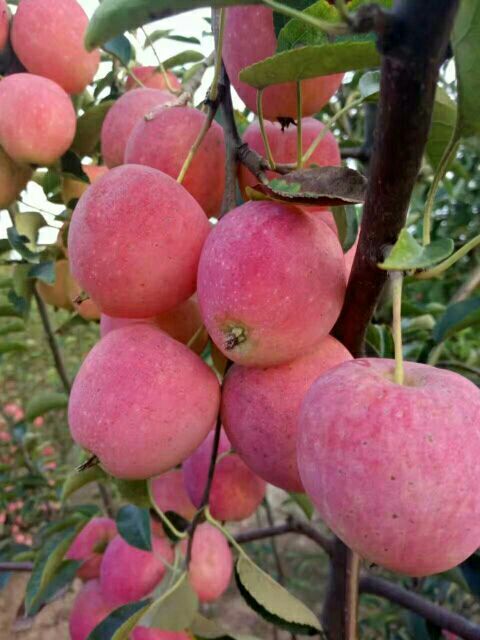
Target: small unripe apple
134,242
57,294
152,78
123,116
72,189
4,23
128,574
281,285
170,494
89,610
236,491
393,468
90,544
211,564
249,38
37,119
142,402
164,142
260,409
181,323
48,39
13,178
283,144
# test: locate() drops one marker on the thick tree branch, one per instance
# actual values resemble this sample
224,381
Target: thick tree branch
413,602
413,49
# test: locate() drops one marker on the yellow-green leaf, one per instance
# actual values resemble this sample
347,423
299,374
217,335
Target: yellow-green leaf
407,254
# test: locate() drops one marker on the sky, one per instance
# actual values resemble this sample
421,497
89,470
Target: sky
186,24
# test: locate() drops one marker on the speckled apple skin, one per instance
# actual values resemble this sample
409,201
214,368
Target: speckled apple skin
181,323
97,531
393,470
142,402
13,178
274,276
211,564
4,23
170,494
123,116
283,145
152,78
134,242
48,38
37,119
260,409
89,610
164,141
143,633
128,574
236,491
249,38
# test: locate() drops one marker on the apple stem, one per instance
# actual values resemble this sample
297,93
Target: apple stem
397,286
446,264
350,104
261,122
299,126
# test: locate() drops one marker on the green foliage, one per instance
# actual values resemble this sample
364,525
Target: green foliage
89,126
457,316
43,402
407,254
271,601
119,624
133,525
176,608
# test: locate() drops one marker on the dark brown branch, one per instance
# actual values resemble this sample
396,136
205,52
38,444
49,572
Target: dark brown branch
291,526
413,52
16,566
231,143
52,343
413,602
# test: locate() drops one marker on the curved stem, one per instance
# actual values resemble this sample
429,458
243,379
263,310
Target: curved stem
261,122
160,63
397,285
209,518
350,105
218,56
179,534
447,157
331,28
446,264
299,126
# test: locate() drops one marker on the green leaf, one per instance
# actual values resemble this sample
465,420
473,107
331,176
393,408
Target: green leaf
156,35
466,48
11,347
12,327
8,311
444,118
457,316
280,20
78,479
175,609
43,402
19,243
46,566
133,525
379,340
304,502
407,254
369,85
72,167
119,624
89,126
347,225
114,17
311,61
120,48
183,58
134,491
271,601
44,271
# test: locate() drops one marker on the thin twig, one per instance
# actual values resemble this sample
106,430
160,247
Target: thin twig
290,526
16,566
273,544
54,348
